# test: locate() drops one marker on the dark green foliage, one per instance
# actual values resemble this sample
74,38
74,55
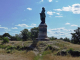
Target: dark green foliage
52,38
34,32
6,35
2,46
66,39
10,47
25,34
5,40
73,52
9,51
13,38
52,48
0,37
76,36
70,50
18,37
46,52
61,38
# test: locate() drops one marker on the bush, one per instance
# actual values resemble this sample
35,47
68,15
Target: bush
5,40
0,38
66,39
52,38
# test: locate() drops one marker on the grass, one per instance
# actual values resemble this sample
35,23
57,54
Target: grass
51,57
30,55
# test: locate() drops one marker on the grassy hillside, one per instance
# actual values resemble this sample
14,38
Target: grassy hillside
40,52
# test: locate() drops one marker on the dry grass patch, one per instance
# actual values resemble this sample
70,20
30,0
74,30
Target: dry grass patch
52,57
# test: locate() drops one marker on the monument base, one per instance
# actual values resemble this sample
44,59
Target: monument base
42,35
44,39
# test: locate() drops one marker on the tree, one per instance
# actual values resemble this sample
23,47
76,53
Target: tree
61,38
25,34
66,39
6,35
5,40
13,38
34,32
18,37
29,34
76,36
52,38
1,37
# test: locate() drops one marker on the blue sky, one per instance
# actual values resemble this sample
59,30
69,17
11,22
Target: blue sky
62,16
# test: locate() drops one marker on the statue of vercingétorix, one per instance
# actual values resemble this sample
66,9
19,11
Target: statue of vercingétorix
42,15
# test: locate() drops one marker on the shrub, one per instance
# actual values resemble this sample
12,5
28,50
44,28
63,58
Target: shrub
0,38
5,40
46,52
9,51
66,39
52,38
52,48
70,50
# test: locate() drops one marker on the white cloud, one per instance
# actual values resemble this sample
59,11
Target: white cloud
50,13
14,28
56,1
67,24
56,32
58,13
71,30
29,8
74,25
75,8
57,9
60,32
58,29
7,30
58,16
41,1
69,8
24,25
3,27
33,25
50,0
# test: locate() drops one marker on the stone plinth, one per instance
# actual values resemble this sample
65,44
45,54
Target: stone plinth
42,35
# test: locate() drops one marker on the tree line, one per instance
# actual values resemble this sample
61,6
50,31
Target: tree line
32,34
24,35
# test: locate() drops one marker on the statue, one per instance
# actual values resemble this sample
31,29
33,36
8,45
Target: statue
42,15
42,35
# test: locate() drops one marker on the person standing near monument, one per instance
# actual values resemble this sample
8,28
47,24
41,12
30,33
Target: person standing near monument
42,15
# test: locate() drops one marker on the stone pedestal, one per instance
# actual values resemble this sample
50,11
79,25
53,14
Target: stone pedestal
42,35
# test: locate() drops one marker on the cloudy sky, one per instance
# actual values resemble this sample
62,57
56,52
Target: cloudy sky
62,16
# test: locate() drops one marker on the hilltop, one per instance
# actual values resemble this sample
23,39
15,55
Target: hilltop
44,50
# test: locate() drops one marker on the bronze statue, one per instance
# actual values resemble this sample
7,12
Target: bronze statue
42,15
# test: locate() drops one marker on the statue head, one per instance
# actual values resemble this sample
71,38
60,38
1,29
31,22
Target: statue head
43,9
